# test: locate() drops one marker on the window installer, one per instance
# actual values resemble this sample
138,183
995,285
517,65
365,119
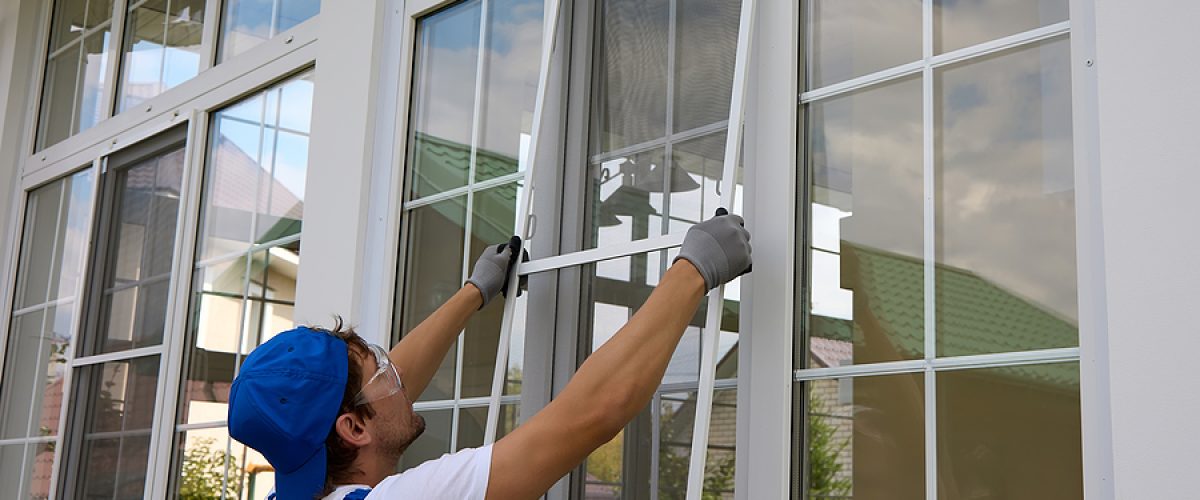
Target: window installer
333,414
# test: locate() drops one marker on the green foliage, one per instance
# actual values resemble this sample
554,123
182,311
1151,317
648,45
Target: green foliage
203,475
673,466
824,479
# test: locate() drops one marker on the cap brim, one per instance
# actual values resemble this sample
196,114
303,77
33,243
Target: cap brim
305,482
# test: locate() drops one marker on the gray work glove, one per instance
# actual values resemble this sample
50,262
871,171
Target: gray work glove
491,271
719,248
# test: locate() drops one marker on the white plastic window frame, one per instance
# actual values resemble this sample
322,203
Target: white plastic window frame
211,90
931,364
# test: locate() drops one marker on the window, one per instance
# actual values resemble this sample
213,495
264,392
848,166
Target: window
662,76
247,23
244,283
43,323
474,80
116,371
96,69
162,47
75,92
939,193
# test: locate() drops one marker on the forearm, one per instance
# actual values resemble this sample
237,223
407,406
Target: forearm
630,366
420,352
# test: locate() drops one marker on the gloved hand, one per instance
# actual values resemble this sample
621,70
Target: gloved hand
491,271
719,248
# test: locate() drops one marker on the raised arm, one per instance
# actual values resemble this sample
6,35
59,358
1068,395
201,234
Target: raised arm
421,351
619,378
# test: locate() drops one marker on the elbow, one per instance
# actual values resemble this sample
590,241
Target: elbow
614,409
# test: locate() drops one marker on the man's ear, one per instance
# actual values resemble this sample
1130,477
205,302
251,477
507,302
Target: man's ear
352,430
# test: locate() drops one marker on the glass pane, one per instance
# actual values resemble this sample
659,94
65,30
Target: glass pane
231,178
119,403
867,280
443,98
58,97
1005,227
52,369
68,23
630,93
92,94
210,464
695,181
851,38
433,274
864,437
21,374
434,443
140,253
960,24
281,194
247,23
510,79
73,236
98,12
989,421
493,221
473,421
217,323
626,199
14,458
162,48
675,420
39,239
616,288
706,34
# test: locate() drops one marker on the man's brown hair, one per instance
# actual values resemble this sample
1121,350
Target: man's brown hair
340,454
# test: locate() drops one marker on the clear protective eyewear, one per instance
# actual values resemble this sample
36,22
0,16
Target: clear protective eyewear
385,381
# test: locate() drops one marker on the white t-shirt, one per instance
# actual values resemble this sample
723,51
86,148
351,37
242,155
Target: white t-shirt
463,475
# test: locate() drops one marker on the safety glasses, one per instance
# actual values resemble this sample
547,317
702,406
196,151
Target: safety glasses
384,383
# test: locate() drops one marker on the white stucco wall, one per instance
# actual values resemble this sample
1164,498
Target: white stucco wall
1148,144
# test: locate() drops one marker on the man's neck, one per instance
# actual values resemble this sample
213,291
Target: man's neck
370,470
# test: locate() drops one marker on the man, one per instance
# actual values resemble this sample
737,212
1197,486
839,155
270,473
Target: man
333,414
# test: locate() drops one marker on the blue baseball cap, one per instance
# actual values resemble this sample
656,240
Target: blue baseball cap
283,403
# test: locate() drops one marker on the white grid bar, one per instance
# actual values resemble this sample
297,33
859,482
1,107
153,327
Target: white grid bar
929,227
549,34
600,254
956,56
997,360
253,248
216,424
668,139
459,191
117,356
711,333
44,305
462,403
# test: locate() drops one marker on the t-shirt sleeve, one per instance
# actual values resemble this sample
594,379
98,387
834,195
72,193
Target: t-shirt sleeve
462,475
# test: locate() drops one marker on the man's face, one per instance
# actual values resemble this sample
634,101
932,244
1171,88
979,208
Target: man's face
395,424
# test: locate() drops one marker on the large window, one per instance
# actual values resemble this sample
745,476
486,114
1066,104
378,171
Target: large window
474,79
244,283
44,320
161,44
120,349
106,385
938,341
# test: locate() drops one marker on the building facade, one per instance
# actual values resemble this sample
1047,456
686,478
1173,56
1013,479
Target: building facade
966,216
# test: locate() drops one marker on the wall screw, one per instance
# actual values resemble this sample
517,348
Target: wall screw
1089,63
289,39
